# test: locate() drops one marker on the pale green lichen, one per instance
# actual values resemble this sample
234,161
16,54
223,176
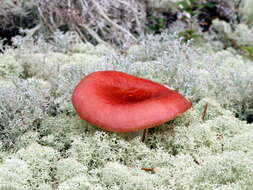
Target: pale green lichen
79,182
23,105
45,145
67,168
240,142
127,178
41,161
193,72
9,66
236,166
241,34
14,174
246,11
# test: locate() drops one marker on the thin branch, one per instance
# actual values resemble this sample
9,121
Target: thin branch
204,112
79,32
44,19
94,35
148,169
102,13
238,4
144,135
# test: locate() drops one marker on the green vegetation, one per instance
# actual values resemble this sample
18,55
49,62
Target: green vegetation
158,24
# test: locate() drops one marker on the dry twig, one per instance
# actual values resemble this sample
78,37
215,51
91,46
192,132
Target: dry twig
144,135
204,112
97,21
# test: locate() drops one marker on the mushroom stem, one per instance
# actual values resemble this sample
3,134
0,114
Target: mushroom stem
144,135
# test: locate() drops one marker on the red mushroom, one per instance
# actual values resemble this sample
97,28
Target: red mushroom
119,102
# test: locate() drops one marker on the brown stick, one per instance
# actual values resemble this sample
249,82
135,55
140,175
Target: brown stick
144,135
148,169
204,112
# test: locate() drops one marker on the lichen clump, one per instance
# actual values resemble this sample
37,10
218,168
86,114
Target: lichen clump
44,145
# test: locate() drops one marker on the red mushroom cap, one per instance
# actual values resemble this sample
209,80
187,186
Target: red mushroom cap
119,102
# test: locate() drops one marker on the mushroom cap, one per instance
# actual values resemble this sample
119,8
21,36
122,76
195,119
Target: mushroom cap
119,102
